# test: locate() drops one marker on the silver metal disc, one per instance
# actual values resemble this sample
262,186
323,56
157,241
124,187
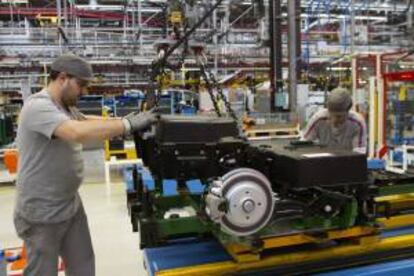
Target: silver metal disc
250,201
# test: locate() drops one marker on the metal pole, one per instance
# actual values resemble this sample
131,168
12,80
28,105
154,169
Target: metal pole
272,60
381,103
352,33
372,116
59,18
299,40
227,26
133,18
72,17
125,26
140,27
241,16
354,67
275,37
45,80
215,40
27,26
59,11
11,15
293,55
354,59
65,13
410,17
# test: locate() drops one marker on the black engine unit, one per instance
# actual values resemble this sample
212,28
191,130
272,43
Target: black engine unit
298,166
186,148
247,186
198,147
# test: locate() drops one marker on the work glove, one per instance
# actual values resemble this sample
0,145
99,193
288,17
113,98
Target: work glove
139,121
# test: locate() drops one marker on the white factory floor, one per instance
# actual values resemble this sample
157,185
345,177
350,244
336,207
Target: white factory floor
116,246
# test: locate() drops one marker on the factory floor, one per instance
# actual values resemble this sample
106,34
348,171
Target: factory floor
116,246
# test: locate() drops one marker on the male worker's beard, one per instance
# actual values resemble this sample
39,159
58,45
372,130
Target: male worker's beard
69,100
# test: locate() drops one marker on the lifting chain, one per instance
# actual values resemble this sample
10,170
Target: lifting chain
209,88
153,97
211,82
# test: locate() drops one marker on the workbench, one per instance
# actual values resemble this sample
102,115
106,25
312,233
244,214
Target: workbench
190,257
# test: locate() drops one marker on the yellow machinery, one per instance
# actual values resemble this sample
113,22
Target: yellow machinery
124,153
176,18
47,21
127,153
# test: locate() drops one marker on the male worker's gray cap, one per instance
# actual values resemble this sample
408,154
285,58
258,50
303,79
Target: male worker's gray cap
339,100
74,66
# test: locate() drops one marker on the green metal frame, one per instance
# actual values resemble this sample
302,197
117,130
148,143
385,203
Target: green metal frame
5,138
396,189
162,229
157,229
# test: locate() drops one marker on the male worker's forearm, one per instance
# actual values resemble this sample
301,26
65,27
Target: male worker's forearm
95,118
90,130
99,130
99,118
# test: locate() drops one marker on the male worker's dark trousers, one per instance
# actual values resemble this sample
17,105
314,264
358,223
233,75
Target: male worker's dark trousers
46,242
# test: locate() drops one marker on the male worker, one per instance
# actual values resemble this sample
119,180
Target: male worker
49,215
337,126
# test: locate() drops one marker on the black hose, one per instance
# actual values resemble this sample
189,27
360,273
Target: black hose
63,35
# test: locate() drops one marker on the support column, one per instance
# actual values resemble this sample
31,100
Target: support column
140,31
275,39
59,12
215,40
294,43
354,67
299,40
372,117
65,14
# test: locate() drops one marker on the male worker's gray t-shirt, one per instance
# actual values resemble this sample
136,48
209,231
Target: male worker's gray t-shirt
351,135
50,169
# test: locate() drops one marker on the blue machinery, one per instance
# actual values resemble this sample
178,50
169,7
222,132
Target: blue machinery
210,258
390,252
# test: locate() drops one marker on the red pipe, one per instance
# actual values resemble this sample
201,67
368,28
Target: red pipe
385,98
33,12
391,77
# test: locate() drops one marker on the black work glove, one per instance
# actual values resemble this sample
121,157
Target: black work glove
139,121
